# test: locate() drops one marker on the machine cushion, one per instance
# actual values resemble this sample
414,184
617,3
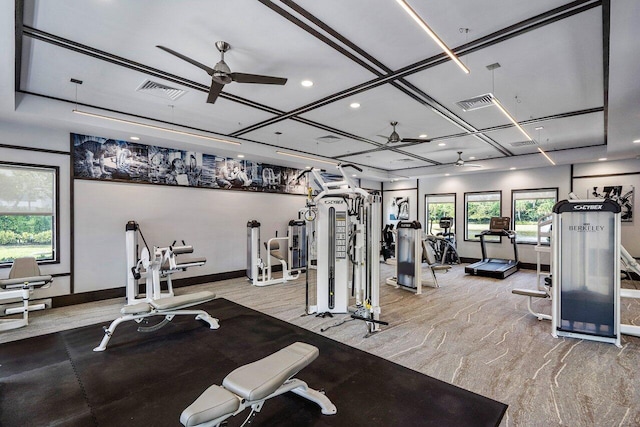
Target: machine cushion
259,379
213,403
142,307
35,281
182,300
24,267
530,293
184,262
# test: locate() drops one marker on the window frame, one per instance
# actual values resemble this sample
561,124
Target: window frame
55,231
426,210
513,208
466,213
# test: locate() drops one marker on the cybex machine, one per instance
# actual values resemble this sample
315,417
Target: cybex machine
290,251
347,222
409,255
586,270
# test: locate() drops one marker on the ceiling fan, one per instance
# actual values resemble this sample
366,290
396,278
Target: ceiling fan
394,137
461,162
221,73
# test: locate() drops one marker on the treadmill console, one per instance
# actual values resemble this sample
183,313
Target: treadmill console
500,223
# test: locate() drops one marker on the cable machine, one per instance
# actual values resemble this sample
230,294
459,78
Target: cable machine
347,237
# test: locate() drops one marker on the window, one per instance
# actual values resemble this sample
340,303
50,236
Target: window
27,212
479,208
436,207
528,207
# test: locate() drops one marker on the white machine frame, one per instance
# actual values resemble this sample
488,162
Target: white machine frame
347,234
258,272
155,302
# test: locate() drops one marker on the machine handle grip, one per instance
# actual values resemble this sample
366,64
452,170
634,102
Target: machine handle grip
302,174
351,165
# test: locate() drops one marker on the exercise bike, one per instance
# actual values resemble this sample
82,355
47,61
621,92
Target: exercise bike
444,243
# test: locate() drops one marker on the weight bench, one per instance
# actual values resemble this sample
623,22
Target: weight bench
533,293
167,307
251,385
24,277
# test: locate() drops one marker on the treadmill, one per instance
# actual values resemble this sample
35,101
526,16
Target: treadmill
495,267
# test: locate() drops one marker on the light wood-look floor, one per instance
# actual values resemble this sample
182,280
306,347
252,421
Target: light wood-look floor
471,332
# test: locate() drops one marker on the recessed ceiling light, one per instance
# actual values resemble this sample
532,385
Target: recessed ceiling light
602,159
307,167
636,141
442,144
472,157
539,128
241,156
512,169
447,174
354,105
134,138
354,175
424,135
306,83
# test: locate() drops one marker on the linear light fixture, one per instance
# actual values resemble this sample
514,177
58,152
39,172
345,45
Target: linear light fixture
300,156
432,34
178,132
520,128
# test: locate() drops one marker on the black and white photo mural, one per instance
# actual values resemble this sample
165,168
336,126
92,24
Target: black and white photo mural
113,160
621,194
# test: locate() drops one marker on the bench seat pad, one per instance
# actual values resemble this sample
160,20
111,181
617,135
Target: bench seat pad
259,379
181,301
20,281
139,308
213,403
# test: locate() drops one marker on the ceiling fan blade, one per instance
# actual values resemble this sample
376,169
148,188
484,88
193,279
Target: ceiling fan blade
214,91
415,140
255,78
209,70
471,165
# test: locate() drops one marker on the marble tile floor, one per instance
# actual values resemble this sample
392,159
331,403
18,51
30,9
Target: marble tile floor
471,332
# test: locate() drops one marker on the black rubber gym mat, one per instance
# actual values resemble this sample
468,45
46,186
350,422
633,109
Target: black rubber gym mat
148,379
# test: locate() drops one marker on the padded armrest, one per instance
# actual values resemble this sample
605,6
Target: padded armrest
35,281
259,379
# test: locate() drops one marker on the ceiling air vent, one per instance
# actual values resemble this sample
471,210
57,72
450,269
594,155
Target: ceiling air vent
161,90
522,143
476,102
329,139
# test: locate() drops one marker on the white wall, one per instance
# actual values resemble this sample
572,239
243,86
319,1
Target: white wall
213,221
559,176
625,173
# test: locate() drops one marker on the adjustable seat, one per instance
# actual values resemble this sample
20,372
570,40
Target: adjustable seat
252,384
24,277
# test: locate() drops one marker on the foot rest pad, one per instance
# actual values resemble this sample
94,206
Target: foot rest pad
213,403
259,379
183,300
530,293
